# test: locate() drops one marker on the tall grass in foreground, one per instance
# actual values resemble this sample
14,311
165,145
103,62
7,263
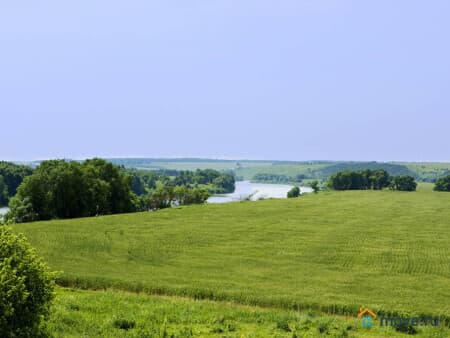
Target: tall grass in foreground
121,314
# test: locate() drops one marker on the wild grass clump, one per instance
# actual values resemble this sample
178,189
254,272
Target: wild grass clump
124,324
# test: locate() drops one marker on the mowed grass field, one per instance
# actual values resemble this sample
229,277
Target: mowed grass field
331,252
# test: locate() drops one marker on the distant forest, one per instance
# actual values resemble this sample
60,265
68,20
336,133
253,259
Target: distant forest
69,189
294,172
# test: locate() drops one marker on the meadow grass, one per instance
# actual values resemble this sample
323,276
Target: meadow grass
109,313
425,187
333,252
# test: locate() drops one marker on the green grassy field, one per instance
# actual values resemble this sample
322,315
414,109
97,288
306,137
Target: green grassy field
120,314
332,252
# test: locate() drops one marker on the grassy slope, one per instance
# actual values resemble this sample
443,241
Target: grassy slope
429,170
96,314
280,169
332,252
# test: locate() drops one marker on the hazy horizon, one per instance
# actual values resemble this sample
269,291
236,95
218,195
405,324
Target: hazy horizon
213,159
289,80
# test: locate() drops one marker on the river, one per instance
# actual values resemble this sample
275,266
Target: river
242,191
257,190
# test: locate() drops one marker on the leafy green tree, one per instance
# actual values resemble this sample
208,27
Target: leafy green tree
224,183
160,198
60,189
120,199
12,176
26,288
442,184
379,179
184,195
21,210
315,186
403,183
3,192
145,181
359,180
166,196
294,192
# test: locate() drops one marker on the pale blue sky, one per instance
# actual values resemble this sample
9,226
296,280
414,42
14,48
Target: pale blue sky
298,80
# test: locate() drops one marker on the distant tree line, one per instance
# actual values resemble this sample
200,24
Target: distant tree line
69,189
277,178
370,179
60,189
11,176
166,188
167,196
213,181
392,169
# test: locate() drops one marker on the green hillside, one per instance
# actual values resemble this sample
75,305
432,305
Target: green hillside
331,252
247,169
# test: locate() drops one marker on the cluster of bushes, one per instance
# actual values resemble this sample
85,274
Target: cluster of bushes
403,183
294,192
215,182
370,179
166,188
167,196
26,288
392,169
442,184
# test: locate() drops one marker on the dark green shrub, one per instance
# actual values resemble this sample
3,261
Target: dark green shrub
403,183
26,288
217,329
323,326
406,328
443,184
294,192
124,324
315,186
283,324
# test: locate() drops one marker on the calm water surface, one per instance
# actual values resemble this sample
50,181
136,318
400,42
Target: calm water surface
257,190
243,190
